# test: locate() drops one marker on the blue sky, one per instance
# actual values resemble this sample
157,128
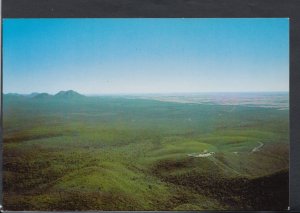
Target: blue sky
103,56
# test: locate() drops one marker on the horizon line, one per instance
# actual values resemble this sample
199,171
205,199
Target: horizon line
144,93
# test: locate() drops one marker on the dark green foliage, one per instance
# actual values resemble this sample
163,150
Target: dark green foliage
71,152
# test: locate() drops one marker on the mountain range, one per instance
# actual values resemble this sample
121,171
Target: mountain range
69,94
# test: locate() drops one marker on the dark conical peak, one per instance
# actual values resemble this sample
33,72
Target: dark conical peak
68,94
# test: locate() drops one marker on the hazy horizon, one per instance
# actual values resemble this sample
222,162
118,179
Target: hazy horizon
152,93
129,56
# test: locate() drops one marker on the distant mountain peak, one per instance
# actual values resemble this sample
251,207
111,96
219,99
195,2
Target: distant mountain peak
68,94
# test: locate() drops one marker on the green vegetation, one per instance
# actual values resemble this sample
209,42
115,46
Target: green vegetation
113,153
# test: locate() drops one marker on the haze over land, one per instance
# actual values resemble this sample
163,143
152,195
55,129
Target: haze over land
279,100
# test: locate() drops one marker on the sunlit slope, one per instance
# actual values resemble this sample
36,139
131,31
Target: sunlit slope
114,153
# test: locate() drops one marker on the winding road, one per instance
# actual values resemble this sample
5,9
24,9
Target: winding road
257,148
